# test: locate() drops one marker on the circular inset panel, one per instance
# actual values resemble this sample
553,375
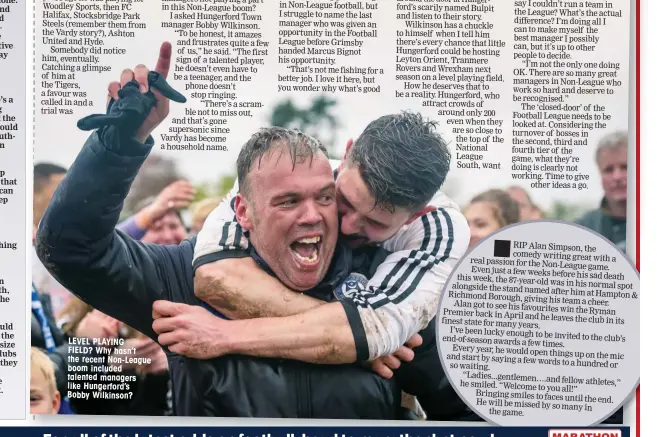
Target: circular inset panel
539,325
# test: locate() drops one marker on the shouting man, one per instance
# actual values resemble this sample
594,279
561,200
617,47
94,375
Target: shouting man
78,243
388,199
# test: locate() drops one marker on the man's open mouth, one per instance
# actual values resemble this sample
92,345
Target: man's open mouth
306,250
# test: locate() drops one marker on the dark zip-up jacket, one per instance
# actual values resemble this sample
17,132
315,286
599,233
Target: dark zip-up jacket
79,245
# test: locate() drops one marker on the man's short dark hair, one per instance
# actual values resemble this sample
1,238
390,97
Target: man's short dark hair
43,172
402,160
299,146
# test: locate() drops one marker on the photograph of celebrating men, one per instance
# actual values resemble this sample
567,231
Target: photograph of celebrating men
386,192
290,200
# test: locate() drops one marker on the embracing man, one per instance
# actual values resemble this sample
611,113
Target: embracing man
389,203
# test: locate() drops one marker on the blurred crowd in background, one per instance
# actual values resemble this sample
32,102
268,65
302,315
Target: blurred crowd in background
164,208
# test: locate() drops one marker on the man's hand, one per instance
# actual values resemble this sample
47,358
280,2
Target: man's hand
177,195
386,365
189,330
159,363
158,359
161,110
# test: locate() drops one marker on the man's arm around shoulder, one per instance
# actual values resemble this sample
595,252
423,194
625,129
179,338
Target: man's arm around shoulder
340,331
403,296
239,289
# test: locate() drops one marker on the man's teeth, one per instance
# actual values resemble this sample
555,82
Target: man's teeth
309,240
312,259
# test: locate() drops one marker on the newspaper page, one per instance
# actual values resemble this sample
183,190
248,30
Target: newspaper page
13,343
431,125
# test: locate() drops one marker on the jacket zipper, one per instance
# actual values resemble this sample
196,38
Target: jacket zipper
303,399
309,395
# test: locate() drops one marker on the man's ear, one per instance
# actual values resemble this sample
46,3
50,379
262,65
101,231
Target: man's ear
56,402
242,212
344,157
349,144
